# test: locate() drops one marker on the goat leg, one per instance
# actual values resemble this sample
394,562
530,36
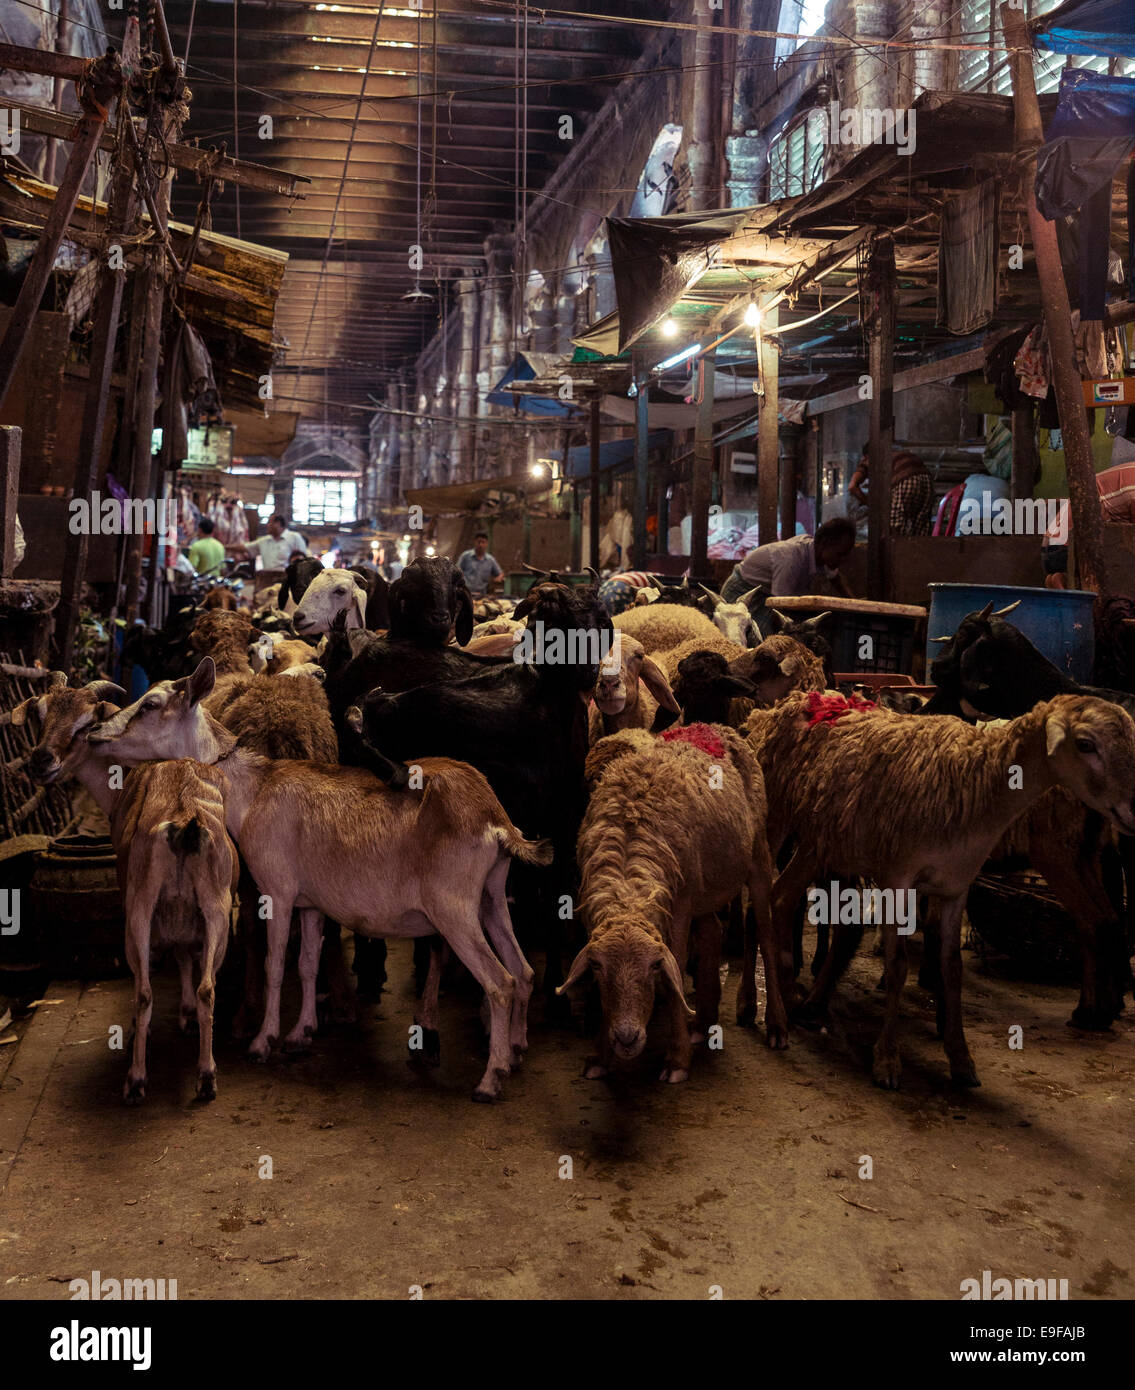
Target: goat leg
187,1011
138,915
426,1008
887,1062
497,924
311,939
279,927
747,989
461,928
962,1070
776,1016
212,956
708,934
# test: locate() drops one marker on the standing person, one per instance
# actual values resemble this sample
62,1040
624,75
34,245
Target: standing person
478,566
912,492
277,547
789,567
206,554
1116,487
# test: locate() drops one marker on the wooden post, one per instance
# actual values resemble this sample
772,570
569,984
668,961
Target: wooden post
880,297
768,475
575,561
1024,453
787,487
10,438
641,460
811,464
1083,495
87,136
112,283
593,510
703,472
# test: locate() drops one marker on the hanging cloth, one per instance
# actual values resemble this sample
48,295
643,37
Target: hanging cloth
967,258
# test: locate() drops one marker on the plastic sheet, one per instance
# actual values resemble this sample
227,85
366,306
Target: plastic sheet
1092,26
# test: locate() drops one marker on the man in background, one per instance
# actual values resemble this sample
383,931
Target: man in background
206,554
277,547
790,567
912,492
479,567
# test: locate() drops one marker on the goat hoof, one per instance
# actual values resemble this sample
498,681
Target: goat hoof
696,1036
886,1071
134,1092
260,1049
593,1070
518,1054
777,1036
1091,1020
207,1086
811,1017
187,1023
746,1015
673,1075
484,1095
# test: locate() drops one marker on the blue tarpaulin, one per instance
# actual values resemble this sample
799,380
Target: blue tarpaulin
613,453
1094,106
523,369
1089,26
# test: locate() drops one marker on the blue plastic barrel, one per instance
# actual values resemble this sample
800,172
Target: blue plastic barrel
1058,622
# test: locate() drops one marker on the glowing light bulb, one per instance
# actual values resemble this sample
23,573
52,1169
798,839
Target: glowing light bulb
669,328
753,314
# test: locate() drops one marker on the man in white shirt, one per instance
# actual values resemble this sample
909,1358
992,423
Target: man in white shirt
277,547
790,566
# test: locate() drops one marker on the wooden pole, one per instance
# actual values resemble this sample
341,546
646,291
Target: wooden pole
768,476
10,438
788,489
703,471
1083,495
811,465
104,78
880,297
641,461
108,311
593,510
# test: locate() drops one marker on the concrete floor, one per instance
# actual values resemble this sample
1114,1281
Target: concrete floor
745,1178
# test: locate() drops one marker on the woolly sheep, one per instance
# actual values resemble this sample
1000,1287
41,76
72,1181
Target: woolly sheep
629,692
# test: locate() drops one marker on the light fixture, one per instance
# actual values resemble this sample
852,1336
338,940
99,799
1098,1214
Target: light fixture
431,550
753,314
678,357
669,327
537,470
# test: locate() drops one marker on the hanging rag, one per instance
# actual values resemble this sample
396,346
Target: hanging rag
967,258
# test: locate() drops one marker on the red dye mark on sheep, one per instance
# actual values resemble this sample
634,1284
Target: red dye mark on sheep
827,708
700,735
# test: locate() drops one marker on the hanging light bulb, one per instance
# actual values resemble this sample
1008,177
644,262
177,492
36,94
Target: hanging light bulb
753,314
669,328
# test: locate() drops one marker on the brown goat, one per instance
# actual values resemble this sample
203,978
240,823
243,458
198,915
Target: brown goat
917,803
384,862
177,869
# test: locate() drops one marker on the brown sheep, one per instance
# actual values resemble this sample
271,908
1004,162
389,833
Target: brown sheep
630,689
675,829
661,626
918,803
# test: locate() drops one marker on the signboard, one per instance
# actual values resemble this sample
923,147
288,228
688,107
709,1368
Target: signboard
210,446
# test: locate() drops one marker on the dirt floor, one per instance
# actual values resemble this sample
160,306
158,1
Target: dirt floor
746,1178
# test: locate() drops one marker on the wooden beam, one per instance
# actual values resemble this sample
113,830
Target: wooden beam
768,480
10,437
880,296
641,461
593,492
1025,457
188,157
1083,496
930,372
14,58
703,471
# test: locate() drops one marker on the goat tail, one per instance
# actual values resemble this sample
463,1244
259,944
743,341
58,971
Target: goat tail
187,837
527,851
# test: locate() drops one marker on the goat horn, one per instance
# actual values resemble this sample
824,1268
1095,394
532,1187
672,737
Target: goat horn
716,597
941,639
1002,611
107,690
533,570
57,681
985,612
777,614
593,573
815,622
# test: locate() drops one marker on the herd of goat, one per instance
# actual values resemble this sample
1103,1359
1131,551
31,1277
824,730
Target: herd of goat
409,777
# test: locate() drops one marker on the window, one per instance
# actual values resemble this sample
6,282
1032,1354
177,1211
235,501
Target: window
323,501
799,17
796,157
986,67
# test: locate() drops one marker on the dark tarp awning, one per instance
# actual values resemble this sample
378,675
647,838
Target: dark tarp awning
466,497
654,260
613,453
527,366
1088,26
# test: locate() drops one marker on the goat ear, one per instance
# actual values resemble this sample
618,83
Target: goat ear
285,587
673,977
579,968
1055,733
785,667
201,682
20,713
464,620
739,686
654,678
357,614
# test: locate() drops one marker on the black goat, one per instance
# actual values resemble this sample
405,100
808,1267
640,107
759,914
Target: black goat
522,722
704,686
1115,642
